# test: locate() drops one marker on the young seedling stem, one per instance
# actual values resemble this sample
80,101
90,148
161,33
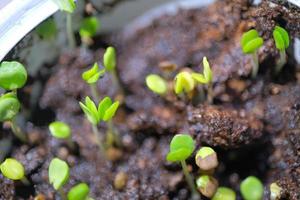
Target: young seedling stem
255,64
98,138
112,135
281,62
62,194
17,131
94,91
70,34
189,180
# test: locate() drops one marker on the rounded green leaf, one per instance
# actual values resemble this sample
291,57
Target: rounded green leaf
224,193
110,112
181,147
89,27
109,59
248,36
253,45
12,169
58,173
204,152
79,192
66,5
60,130
47,29
184,82
284,35
156,84
9,107
92,75
252,188
103,106
13,75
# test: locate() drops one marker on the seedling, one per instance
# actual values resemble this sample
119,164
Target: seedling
275,191
88,29
184,82
79,192
282,41
181,147
61,130
250,43
68,6
252,188
58,175
91,77
205,78
224,193
207,185
206,159
13,170
13,75
156,84
47,30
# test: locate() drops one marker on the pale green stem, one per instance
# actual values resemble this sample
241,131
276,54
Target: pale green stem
189,180
116,82
95,92
70,34
71,144
113,132
255,64
62,194
281,62
98,138
25,181
17,131
210,94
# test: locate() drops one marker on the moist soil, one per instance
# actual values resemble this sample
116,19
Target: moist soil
254,124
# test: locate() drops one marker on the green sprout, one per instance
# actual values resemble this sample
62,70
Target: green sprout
156,84
252,188
207,185
88,29
69,7
47,30
13,75
91,77
205,78
61,130
184,82
13,170
206,158
59,173
282,41
79,192
181,147
250,43
224,193
275,191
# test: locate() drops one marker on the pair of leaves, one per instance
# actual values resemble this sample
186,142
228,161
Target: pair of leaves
89,27
9,106
251,41
181,147
66,5
184,82
13,75
105,111
58,172
12,169
60,130
207,75
156,83
281,38
92,75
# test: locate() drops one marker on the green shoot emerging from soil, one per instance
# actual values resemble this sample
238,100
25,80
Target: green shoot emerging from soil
58,175
275,191
13,170
224,193
47,30
252,188
206,159
207,185
88,29
61,130
13,75
184,82
79,192
156,84
91,77
181,147
282,41
250,43
205,78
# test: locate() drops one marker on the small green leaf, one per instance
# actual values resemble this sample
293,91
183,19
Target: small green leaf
109,59
47,29
206,70
58,173
253,45
252,188
103,106
12,169
181,147
60,130
199,77
66,5
9,107
248,36
224,193
204,152
92,75
184,82
90,116
89,27
79,192
110,112
281,38
92,108
13,75
156,84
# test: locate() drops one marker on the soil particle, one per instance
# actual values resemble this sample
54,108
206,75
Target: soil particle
7,189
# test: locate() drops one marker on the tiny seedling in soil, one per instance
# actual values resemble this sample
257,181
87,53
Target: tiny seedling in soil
156,84
224,193
206,158
69,7
205,78
47,30
79,192
13,75
252,188
250,43
275,191
207,185
88,29
61,130
13,170
181,147
59,173
91,77
184,82
282,41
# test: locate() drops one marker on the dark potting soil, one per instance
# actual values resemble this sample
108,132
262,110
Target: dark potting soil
254,124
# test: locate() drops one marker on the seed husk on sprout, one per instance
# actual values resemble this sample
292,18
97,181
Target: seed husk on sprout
207,185
206,158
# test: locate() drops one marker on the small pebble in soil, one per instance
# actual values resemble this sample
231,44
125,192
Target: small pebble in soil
113,154
120,180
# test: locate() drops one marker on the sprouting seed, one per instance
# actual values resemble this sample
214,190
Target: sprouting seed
224,193
12,169
282,41
252,188
275,191
60,130
184,82
13,75
109,59
58,173
79,192
206,158
250,43
92,75
156,84
207,185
